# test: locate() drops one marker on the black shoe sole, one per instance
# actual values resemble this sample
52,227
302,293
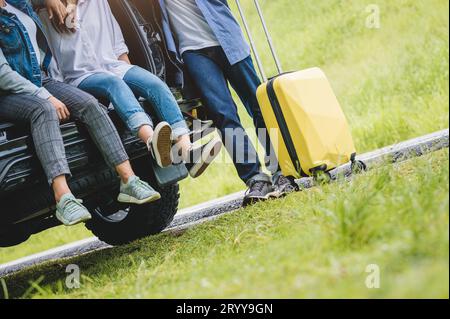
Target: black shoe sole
254,200
214,150
285,193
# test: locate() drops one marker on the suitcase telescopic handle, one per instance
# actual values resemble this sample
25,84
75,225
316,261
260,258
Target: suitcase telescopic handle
252,43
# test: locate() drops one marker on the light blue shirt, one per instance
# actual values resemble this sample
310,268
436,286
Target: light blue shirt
227,30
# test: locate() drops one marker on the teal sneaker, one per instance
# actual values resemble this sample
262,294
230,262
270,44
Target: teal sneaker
137,192
70,211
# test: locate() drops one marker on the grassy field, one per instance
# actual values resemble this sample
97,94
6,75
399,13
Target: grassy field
315,244
393,85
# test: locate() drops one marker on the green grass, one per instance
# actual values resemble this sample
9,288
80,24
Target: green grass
392,83
314,244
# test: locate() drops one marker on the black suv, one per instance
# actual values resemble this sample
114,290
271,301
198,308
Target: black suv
26,202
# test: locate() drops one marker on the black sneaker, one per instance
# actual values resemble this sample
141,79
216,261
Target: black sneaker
258,191
285,185
200,157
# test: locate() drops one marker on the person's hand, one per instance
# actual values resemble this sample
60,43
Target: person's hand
57,14
124,57
61,109
71,19
56,10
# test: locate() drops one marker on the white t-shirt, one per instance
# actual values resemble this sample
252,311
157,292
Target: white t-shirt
191,28
29,25
93,48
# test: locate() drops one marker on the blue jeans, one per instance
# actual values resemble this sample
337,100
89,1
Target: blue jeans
122,94
211,71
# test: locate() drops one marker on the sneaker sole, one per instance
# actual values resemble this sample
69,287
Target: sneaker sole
127,199
280,194
212,150
255,200
162,144
272,195
73,223
203,129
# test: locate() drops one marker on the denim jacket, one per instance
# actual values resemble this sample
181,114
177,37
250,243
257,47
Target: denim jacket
20,72
225,27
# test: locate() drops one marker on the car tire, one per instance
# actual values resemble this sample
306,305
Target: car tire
138,221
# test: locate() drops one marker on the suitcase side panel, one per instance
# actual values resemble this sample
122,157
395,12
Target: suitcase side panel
288,168
315,119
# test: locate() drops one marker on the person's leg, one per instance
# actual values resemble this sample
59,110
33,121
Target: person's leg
85,108
157,93
150,87
245,81
44,125
213,87
112,88
103,85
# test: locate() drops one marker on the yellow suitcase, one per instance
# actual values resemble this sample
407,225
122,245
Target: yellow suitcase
305,123
307,126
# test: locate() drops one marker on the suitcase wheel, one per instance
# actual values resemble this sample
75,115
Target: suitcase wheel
358,167
321,175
